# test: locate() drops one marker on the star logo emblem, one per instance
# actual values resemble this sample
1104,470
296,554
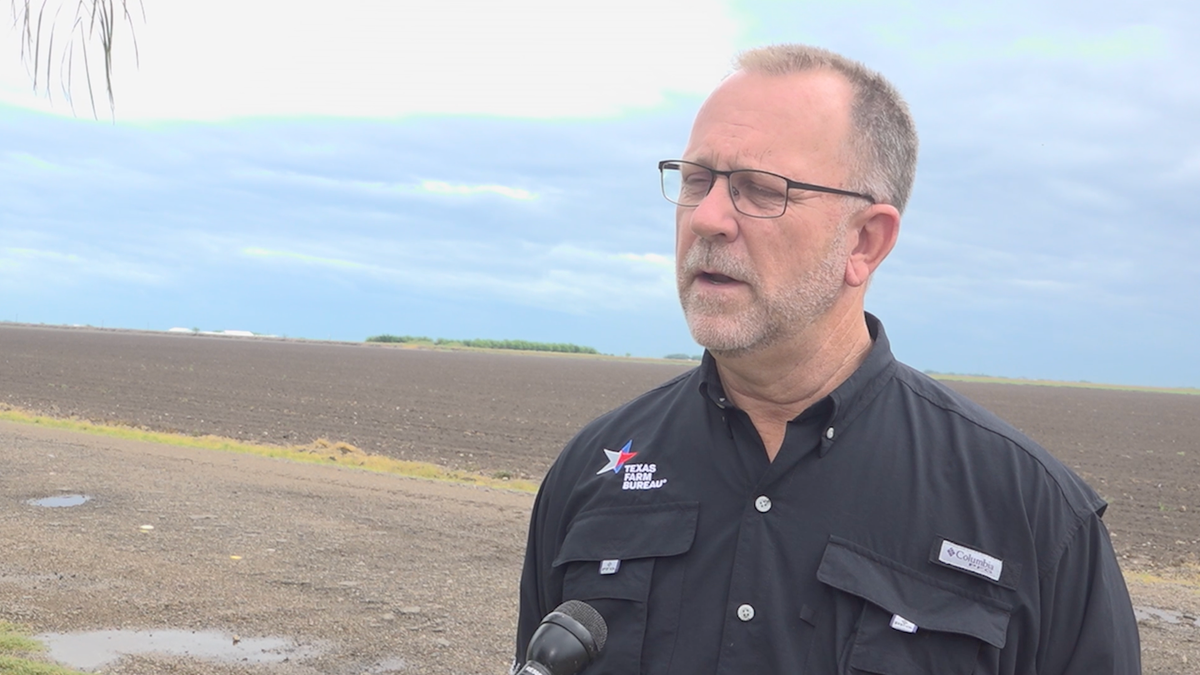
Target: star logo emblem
617,459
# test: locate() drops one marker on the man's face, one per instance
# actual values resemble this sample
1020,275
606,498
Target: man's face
746,283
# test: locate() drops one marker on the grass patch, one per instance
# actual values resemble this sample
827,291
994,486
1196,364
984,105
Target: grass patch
1187,577
12,665
16,646
320,451
987,379
14,638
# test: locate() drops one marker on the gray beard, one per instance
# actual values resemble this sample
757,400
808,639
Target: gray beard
767,320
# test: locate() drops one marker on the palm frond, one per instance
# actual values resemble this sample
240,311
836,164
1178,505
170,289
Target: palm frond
94,21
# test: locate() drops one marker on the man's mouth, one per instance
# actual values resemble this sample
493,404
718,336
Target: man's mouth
716,278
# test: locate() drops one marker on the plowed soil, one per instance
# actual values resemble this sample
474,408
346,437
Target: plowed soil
468,410
405,576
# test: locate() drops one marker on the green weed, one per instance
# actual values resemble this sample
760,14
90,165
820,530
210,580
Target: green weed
15,648
320,451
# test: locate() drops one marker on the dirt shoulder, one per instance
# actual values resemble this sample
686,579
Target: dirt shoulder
377,573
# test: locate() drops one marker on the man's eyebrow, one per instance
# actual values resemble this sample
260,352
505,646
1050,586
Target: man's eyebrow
738,163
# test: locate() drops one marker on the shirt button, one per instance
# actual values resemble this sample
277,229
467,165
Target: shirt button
829,433
745,612
763,504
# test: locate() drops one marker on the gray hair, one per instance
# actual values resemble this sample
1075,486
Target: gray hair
883,150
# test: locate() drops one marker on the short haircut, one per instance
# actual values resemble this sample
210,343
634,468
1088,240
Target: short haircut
883,143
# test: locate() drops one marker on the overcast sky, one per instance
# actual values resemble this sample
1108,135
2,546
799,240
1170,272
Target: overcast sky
469,168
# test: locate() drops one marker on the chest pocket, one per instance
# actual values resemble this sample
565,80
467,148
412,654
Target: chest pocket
953,627
637,537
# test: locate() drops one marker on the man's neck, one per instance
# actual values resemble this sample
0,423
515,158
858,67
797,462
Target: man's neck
775,384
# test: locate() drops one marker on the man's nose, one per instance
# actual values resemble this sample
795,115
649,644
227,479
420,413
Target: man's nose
715,216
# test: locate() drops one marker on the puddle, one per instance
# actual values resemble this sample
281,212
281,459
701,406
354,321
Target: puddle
1165,615
60,501
92,650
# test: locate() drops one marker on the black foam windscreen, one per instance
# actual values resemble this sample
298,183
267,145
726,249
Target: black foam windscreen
591,620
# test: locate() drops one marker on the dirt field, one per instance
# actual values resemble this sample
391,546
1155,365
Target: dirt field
344,567
466,410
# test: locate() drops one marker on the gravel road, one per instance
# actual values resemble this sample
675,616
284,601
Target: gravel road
366,573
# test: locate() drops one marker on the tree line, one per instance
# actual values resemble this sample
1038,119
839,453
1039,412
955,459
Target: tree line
523,345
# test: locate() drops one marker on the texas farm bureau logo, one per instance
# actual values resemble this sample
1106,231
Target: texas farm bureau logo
635,476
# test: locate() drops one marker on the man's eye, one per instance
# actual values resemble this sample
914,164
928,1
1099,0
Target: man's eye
759,190
696,184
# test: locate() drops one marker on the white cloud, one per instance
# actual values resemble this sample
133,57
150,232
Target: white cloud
1120,45
975,33
93,170
563,277
380,188
25,163
438,187
319,261
654,260
1070,193
379,58
296,179
22,267
14,256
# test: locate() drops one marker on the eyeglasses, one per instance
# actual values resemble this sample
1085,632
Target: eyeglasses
757,194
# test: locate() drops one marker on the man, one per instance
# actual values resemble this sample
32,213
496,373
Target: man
802,502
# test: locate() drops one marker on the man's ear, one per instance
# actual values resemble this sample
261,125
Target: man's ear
873,233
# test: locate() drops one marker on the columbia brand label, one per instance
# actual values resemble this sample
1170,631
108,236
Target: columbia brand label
970,560
634,475
902,624
609,566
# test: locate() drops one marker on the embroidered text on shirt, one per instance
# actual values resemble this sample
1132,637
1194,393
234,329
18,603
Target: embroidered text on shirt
970,560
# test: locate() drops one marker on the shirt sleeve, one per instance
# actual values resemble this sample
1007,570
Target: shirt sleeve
1087,622
536,587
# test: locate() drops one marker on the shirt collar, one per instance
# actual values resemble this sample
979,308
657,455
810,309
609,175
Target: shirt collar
844,403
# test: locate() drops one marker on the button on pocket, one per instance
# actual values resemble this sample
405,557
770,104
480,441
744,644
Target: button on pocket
952,625
880,648
637,536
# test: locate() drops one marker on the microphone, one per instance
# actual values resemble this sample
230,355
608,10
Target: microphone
568,639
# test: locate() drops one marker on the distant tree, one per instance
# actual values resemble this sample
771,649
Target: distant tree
49,47
523,345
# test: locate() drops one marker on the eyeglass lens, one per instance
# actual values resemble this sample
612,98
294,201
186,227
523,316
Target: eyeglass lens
754,193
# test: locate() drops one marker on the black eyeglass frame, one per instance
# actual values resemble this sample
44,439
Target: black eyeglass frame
791,184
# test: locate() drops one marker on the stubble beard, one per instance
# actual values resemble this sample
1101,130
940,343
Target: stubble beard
726,328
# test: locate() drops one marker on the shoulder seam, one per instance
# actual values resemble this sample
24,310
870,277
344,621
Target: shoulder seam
1079,515
1053,559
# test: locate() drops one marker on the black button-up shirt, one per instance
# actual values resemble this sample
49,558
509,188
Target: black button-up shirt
900,529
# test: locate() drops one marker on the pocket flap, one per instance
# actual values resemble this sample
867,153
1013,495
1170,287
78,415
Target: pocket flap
630,532
929,603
